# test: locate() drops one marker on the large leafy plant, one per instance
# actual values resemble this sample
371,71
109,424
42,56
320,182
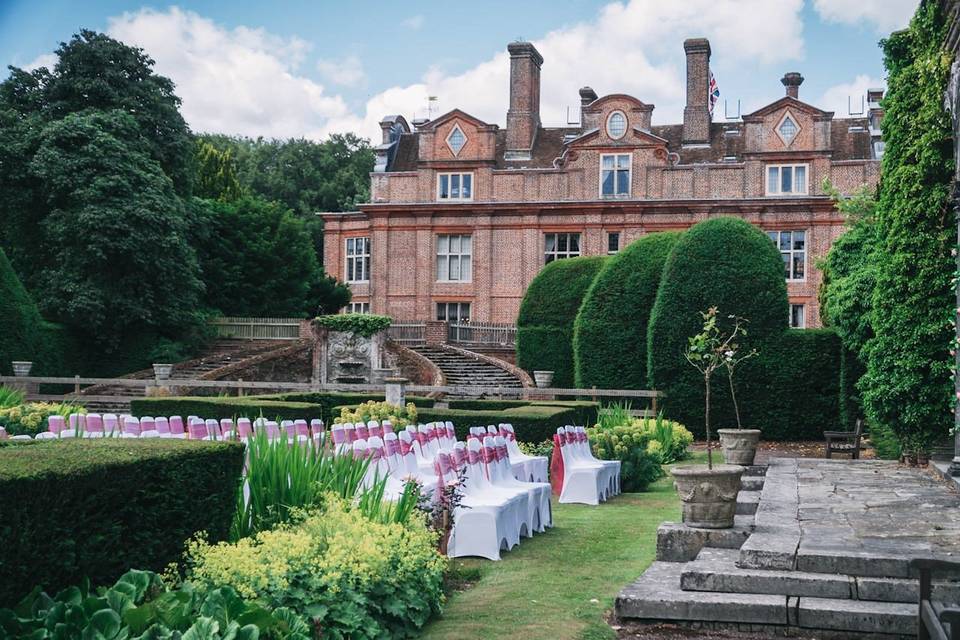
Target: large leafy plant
361,324
140,607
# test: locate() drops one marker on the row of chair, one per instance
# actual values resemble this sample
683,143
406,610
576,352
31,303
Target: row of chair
580,476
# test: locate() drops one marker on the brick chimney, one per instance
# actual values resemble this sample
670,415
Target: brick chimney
696,115
792,82
523,117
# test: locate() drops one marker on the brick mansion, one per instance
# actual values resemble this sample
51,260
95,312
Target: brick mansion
463,213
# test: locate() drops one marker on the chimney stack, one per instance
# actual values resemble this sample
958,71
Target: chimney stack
696,115
523,117
792,82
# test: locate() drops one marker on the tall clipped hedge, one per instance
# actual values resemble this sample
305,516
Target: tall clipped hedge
907,385
730,264
20,321
610,332
547,314
79,508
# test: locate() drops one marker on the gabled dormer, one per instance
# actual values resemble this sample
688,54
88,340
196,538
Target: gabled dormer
788,124
457,137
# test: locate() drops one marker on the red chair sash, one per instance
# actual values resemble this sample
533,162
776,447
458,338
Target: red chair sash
391,446
405,448
473,457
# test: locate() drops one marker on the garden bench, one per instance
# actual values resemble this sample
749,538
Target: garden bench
844,441
936,620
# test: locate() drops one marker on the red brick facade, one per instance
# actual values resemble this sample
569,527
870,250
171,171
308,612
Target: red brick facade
677,176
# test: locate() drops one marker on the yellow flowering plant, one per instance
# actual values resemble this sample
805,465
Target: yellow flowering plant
353,577
380,411
30,418
628,444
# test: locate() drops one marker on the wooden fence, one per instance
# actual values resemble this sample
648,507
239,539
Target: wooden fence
482,334
257,328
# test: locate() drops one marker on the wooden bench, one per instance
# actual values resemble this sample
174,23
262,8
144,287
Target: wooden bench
936,620
844,442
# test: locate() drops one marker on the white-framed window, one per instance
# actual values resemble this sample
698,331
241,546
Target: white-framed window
798,318
793,249
453,311
454,258
358,260
455,186
557,246
614,175
357,307
786,179
613,243
616,125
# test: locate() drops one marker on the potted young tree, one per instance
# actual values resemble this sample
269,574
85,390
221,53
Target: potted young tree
739,445
708,493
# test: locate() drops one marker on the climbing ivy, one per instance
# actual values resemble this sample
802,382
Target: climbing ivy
361,324
907,385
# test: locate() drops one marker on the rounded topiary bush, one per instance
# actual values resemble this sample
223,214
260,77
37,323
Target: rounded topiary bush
547,313
610,332
20,321
729,264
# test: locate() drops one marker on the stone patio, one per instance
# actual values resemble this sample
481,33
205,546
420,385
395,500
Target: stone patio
820,547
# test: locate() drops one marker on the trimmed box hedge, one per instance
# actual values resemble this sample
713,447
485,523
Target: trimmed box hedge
240,407
330,400
75,509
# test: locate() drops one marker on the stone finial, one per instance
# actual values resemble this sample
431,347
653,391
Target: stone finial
792,81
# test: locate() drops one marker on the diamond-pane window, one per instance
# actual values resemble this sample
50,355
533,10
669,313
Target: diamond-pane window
788,129
456,140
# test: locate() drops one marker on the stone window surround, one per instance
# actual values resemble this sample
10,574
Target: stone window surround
466,275
615,169
450,136
796,128
781,166
626,124
361,259
473,185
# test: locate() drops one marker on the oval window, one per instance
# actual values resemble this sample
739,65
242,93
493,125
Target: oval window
616,125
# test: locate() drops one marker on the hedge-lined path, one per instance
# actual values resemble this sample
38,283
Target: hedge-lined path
560,584
460,369
219,354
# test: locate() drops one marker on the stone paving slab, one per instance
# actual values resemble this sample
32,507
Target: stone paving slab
855,615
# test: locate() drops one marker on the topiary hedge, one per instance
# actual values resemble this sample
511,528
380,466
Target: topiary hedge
547,313
610,331
77,509
728,263
20,321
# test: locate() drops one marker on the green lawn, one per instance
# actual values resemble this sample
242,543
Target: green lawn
560,584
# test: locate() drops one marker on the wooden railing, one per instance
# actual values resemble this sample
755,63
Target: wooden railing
482,334
257,328
407,333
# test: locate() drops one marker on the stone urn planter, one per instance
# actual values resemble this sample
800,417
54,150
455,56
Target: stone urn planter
21,368
709,496
543,379
739,445
162,371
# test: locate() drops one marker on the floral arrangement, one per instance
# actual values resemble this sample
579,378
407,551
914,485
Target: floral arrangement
353,577
31,418
361,324
380,411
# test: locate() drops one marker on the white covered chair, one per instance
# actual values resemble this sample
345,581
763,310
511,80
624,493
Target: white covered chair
535,468
540,514
500,480
148,427
583,481
482,526
583,447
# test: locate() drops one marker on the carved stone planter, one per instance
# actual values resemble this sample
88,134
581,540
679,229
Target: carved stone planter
709,496
543,379
162,371
739,445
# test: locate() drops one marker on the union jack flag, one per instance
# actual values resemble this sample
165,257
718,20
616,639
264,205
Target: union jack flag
714,92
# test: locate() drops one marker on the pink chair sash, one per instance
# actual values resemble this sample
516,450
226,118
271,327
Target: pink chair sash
362,432
510,435
147,424
569,437
376,431
351,434
374,453
198,431
387,427
339,436
244,428
226,425
392,446
130,425
446,465
301,428
488,454
405,448
163,425
461,456
502,452
95,425
473,457
55,424
176,425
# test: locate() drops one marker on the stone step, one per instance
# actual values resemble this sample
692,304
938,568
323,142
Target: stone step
657,596
751,483
747,502
677,542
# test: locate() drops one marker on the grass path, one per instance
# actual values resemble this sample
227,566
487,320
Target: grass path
559,585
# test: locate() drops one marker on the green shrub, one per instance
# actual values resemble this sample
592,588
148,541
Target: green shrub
547,313
610,332
372,410
486,405
354,577
10,397
139,603
71,509
544,448
885,442
32,417
20,321
730,264
225,407
361,324
639,466
329,400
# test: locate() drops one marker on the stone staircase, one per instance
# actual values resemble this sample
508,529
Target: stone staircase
461,369
218,355
802,560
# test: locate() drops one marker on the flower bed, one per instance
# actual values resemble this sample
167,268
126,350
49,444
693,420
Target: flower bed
30,418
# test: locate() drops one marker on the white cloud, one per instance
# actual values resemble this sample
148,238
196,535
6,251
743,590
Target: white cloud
47,60
846,97
413,22
884,15
240,81
345,71
633,48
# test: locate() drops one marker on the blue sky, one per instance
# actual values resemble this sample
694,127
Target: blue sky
311,68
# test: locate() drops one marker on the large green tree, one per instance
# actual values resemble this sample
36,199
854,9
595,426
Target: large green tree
258,259
116,256
908,385
216,174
